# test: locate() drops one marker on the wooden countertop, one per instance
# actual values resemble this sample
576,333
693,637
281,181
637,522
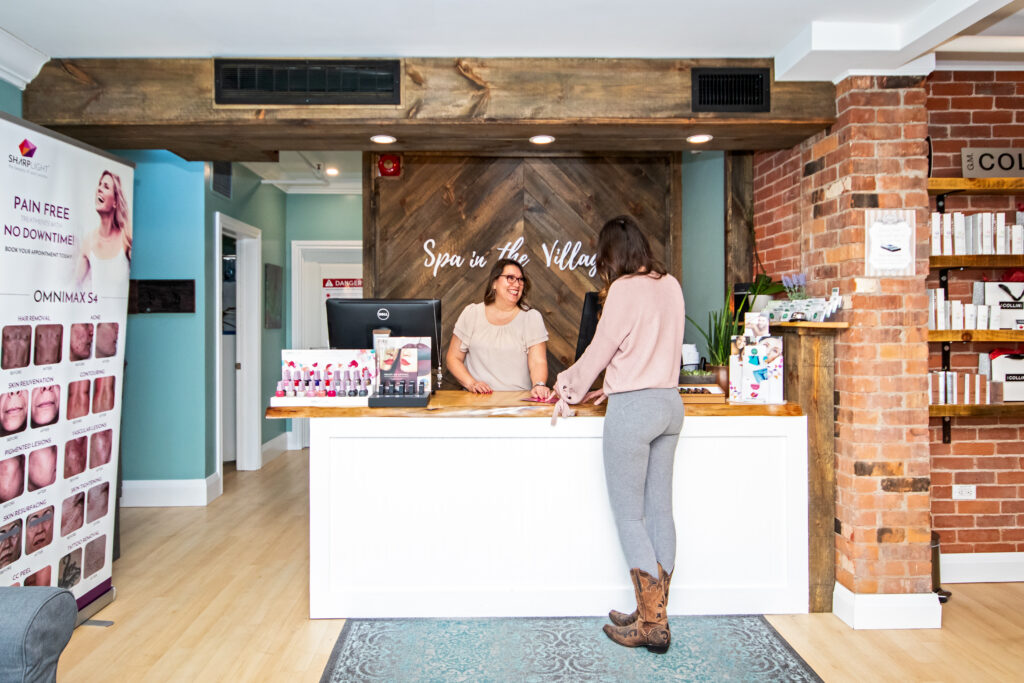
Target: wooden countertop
509,404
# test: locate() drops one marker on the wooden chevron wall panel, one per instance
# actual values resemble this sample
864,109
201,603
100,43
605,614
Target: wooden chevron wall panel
435,230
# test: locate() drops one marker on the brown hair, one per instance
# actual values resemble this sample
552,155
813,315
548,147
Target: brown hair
622,249
496,271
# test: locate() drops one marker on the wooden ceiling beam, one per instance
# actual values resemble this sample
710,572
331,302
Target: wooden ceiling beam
461,105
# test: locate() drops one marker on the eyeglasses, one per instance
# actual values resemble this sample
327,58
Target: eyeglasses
512,279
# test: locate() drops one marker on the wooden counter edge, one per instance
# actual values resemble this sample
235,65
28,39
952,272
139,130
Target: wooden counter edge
439,408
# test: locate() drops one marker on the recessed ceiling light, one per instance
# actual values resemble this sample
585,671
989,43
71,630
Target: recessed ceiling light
700,138
331,170
542,139
383,139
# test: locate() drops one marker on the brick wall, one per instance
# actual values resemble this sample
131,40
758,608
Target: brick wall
979,109
809,212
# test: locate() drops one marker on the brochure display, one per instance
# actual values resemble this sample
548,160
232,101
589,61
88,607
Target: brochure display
65,251
755,365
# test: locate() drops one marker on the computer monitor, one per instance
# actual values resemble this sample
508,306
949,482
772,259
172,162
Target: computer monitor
351,322
588,322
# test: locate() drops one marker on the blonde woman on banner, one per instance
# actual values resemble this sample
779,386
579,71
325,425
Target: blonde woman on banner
107,251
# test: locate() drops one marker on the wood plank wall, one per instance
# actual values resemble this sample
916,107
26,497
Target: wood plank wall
475,206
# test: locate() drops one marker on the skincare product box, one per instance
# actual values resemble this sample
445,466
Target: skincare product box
1008,300
1008,368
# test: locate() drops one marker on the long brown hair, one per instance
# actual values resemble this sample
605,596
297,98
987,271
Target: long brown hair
496,270
622,249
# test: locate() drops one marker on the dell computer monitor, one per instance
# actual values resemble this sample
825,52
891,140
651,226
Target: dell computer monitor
588,322
351,322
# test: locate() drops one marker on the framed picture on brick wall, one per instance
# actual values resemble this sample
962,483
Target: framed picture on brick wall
890,245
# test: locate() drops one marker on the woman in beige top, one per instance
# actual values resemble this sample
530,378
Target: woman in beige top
501,344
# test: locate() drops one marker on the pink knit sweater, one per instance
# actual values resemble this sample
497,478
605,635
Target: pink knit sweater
639,340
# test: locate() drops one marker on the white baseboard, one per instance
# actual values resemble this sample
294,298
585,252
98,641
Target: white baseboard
886,611
981,567
162,493
274,447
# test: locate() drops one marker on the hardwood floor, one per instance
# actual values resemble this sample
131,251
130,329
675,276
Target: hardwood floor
981,639
220,594
213,594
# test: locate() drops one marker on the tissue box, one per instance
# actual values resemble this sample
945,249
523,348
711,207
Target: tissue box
1009,369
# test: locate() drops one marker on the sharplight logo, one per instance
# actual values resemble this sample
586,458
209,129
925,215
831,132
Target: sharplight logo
23,160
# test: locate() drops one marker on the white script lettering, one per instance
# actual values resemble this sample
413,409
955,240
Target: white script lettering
568,257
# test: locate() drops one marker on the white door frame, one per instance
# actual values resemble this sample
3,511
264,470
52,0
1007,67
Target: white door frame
299,249
248,316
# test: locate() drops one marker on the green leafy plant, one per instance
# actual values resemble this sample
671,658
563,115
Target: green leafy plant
722,325
764,284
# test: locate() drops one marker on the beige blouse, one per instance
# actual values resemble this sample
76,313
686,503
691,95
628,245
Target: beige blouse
496,354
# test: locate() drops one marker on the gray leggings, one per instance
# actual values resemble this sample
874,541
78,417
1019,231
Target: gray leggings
641,429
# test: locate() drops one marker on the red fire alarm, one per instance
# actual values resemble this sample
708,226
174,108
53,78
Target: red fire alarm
389,165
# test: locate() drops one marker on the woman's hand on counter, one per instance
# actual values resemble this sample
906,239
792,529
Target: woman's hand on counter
479,388
597,396
541,392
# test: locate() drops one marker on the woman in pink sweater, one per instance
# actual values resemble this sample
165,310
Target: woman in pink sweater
638,344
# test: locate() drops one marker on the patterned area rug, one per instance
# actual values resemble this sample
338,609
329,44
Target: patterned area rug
727,648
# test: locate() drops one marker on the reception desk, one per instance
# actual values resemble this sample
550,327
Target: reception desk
479,506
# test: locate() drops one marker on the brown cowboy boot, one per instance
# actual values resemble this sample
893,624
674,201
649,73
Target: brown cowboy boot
651,626
620,619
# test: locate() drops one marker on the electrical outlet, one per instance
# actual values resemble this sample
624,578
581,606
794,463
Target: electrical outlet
964,492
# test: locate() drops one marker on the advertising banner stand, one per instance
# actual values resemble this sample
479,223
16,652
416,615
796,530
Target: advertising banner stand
65,254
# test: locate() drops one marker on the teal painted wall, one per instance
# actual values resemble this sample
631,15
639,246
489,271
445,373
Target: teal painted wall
164,424
319,217
261,206
10,98
703,239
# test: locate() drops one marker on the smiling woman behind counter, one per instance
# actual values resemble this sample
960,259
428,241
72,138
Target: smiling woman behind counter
501,344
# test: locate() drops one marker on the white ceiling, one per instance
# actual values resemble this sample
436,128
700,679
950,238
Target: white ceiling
808,39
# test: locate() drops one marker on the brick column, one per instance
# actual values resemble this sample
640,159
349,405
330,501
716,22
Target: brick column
810,204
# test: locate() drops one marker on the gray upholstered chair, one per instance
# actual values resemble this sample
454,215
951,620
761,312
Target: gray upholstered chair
35,626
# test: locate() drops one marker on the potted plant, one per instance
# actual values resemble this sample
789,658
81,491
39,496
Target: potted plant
723,324
759,292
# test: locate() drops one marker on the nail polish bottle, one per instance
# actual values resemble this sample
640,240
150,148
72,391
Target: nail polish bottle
280,389
351,388
362,387
331,393
310,390
321,390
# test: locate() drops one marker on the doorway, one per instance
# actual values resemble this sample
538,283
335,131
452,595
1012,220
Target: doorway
229,350
248,336
313,262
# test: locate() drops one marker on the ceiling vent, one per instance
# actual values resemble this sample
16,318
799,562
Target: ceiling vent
306,81
731,90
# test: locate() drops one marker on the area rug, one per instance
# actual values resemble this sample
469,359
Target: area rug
726,648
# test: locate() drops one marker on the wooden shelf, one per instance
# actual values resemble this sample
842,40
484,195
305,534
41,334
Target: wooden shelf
981,410
975,336
977,261
823,326
1005,186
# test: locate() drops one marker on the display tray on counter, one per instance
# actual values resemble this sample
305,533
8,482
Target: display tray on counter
701,393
